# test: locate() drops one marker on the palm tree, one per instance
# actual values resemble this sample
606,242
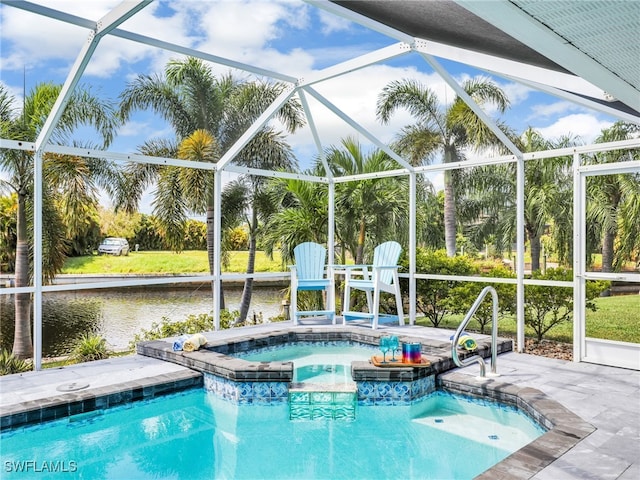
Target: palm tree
191,98
372,207
70,184
444,129
8,209
548,194
489,198
268,150
300,214
613,202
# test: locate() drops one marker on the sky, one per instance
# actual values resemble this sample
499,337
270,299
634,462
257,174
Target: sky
289,37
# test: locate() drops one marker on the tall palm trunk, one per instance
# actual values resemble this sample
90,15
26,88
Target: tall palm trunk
22,343
534,245
449,206
245,303
607,251
609,236
361,238
449,214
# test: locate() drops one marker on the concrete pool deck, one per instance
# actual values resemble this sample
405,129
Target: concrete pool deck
608,398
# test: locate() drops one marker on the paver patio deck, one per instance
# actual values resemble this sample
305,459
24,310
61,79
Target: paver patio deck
606,397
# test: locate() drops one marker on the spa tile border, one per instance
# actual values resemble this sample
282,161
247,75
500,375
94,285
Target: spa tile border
99,398
215,357
564,428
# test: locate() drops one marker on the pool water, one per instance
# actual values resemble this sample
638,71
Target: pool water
197,435
328,364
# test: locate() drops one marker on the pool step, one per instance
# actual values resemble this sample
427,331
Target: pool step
308,401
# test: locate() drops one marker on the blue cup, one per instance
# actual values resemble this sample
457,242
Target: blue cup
411,353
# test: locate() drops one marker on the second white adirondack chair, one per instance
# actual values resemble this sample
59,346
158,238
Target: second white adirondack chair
381,276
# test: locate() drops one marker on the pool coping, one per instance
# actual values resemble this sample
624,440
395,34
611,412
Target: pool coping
98,398
565,429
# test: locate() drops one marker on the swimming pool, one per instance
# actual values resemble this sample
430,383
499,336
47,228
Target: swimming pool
196,434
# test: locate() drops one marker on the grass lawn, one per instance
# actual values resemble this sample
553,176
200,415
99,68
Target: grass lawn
617,318
165,262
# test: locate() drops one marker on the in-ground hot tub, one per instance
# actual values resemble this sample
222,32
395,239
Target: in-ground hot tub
244,381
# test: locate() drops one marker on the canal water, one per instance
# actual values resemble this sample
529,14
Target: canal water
117,315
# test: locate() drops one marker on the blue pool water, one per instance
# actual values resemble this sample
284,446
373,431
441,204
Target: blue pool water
326,364
196,435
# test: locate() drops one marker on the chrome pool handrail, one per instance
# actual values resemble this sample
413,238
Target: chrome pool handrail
494,334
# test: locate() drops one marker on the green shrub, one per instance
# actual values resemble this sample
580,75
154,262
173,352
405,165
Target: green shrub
463,295
9,364
192,324
433,297
89,347
238,238
546,307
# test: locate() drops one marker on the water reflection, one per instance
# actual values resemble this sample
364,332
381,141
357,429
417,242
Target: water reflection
118,314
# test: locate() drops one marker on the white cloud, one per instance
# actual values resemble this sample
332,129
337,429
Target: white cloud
45,40
356,95
437,180
132,128
16,93
554,109
516,92
332,23
586,126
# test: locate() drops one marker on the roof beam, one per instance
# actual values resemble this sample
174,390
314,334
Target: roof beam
50,13
559,84
359,128
260,122
340,11
314,132
260,172
357,63
577,99
504,67
106,24
523,27
172,47
145,40
127,157
472,104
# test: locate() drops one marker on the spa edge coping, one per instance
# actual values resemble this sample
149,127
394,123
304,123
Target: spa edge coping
565,429
216,356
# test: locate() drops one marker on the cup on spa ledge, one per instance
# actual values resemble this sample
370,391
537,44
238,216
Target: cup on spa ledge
411,352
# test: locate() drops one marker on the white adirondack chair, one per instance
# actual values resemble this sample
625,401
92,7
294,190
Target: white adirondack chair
381,276
311,273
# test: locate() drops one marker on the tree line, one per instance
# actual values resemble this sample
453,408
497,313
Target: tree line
209,113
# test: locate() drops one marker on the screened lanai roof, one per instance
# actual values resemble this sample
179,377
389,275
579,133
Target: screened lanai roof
593,44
